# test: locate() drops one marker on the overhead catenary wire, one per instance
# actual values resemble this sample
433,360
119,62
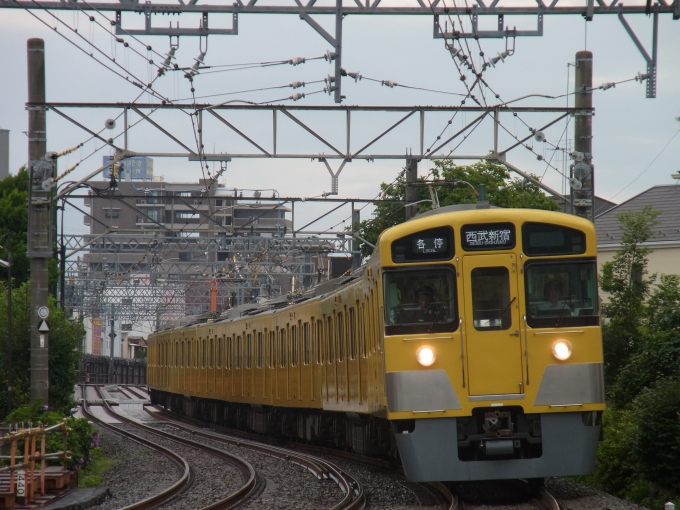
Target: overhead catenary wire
138,83
392,84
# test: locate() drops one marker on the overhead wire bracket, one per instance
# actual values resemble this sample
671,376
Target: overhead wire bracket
651,61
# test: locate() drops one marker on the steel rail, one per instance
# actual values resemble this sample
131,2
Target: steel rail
354,496
546,501
244,467
170,492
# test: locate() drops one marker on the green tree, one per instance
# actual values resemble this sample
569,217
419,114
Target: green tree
502,191
625,279
14,224
65,341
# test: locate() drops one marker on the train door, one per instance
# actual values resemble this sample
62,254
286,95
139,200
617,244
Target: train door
492,324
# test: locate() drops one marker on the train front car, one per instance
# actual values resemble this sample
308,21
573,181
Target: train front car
493,349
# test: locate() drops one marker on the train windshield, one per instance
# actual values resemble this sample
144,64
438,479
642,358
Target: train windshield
561,294
420,301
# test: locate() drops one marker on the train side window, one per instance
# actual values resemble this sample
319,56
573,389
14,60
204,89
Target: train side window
330,351
319,332
352,337
229,352
212,353
188,353
220,352
491,298
272,349
362,329
181,355
260,350
249,351
306,344
341,336
293,346
239,352
205,353
282,347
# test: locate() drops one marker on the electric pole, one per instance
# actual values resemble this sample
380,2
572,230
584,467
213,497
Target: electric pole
411,192
112,336
356,255
39,250
583,182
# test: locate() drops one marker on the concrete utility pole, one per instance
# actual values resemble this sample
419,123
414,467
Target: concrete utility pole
112,336
583,181
411,192
356,256
39,249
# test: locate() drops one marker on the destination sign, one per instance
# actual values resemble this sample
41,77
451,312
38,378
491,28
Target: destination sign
488,236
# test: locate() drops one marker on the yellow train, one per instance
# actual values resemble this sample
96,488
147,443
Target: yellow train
469,343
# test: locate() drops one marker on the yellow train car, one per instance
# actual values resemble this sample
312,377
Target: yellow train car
469,343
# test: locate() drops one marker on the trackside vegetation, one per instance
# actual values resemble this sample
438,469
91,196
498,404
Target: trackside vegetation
640,453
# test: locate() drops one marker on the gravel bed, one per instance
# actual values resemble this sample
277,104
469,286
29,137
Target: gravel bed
284,485
214,478
383,488
139,472
575,496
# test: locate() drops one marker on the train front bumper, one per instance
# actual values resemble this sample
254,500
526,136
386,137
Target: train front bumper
430,451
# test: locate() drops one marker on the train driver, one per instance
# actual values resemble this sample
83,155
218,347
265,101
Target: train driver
552,293
427,311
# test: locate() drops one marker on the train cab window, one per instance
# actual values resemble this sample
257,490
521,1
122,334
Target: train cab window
420,300
491,298
545,239
260,350
561,294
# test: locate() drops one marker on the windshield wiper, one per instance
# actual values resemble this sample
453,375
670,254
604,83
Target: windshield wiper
436,319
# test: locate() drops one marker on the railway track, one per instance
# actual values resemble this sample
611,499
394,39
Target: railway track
353,493
187,479
350,486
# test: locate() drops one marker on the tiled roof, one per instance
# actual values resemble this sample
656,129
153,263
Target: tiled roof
664,198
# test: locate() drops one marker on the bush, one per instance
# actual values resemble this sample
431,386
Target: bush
617,468
658,438
82,437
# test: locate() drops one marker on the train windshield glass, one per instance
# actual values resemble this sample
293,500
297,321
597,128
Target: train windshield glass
420,301
561,294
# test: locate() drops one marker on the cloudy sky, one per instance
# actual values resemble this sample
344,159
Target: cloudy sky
635,142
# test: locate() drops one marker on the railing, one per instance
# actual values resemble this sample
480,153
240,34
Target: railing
22,475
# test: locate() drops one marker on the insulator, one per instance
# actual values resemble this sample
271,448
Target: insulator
608,85
297,84
330,56
296,61
169,56
198,61
356,76
391,84
641,77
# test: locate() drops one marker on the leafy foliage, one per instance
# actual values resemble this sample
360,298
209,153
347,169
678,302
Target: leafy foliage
14,223
658,440
624,279
65,343
641,448
502,191
81,438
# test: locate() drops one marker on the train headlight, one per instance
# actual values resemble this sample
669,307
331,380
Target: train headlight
561,350
426,356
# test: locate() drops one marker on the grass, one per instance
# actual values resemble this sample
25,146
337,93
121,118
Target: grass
91,476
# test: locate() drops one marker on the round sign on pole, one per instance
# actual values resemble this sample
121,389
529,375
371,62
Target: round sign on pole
43,312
